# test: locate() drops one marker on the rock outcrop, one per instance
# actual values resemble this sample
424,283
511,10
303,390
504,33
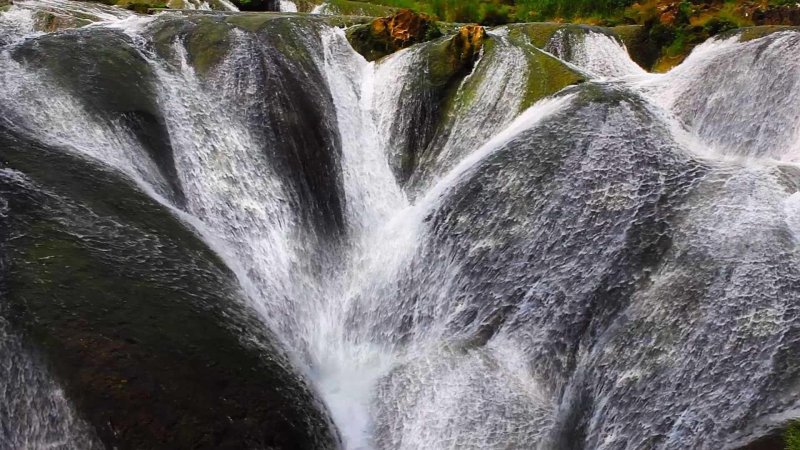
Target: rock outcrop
386,35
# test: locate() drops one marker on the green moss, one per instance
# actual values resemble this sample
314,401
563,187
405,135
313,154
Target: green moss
354,8
641,49
539,33
207,43
141,6
792,436
547,76
250,22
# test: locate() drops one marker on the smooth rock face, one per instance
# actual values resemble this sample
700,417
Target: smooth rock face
140,321
113,80
142,325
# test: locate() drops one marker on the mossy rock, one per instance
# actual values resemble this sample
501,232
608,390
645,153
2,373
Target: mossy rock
141,323
206,38
254,22
49,22
784,436
386,35
284,49
207,43
547,76
104,70
666,63
538,33
752,33
141,6
452,58
642,50
307,6
354,8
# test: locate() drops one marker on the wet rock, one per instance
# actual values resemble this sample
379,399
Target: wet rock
49,22
469,42
387,35
293,121
750,33
113,80
143,326
456,56
351,8
642,50
775,14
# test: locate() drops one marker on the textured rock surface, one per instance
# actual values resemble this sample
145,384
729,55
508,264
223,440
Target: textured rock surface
386,35
143,325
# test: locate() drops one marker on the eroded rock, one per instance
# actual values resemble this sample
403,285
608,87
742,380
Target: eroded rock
386,35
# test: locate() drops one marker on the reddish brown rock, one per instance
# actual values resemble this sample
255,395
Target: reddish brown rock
386,35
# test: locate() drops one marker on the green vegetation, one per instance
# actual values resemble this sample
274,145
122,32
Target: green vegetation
792,436
596,12
355,8
659,33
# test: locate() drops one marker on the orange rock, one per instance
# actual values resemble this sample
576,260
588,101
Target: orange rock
403,29
469,40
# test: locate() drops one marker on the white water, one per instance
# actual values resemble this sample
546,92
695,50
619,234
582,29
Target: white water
752,113
322,8
288,6
495,84
599,55
478,398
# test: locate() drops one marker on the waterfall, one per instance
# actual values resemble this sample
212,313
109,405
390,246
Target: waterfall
609,265
288,6
750,113
487,101
597,53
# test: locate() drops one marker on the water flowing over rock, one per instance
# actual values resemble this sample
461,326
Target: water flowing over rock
243,231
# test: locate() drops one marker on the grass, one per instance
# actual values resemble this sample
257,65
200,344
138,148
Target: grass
495,12
596,12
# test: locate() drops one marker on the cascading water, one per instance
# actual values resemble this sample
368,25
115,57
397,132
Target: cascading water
288,6
583,269
750,114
